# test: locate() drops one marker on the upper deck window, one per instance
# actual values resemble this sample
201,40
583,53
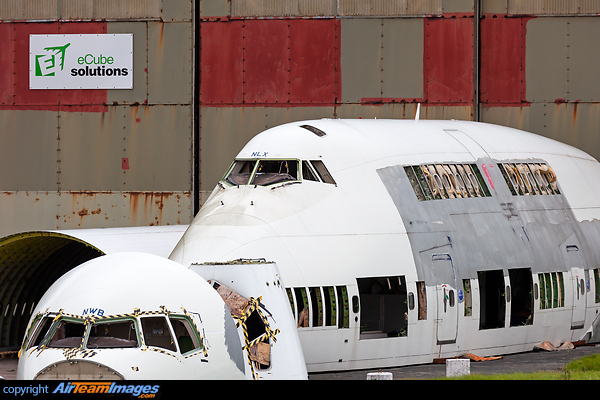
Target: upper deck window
446,181
268,172
529,178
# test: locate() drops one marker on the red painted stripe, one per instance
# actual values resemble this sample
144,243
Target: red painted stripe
14,83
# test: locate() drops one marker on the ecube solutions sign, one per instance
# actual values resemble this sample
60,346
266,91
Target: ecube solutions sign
102,61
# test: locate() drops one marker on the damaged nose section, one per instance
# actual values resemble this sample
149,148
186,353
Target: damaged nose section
131,316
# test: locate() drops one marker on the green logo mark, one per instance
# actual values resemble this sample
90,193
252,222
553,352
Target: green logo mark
50,62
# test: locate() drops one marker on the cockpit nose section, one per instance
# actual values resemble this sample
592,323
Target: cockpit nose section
131,316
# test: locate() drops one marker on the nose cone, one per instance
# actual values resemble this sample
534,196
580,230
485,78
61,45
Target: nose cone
131,316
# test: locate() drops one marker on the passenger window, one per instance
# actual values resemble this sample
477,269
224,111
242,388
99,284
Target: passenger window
323,172
187,336
330,306
301,307
317,306
344,308
113,334
157,333
68,334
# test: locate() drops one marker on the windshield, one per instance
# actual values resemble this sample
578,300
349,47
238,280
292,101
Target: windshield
262,172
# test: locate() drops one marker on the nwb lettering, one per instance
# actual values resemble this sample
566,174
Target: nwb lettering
94,311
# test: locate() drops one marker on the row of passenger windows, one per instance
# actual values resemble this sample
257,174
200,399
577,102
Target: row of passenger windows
265,172
529,178
384,302
446,181
175,332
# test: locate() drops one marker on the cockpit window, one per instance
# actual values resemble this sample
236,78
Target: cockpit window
113,334
268,172
157,333
68,334
240,172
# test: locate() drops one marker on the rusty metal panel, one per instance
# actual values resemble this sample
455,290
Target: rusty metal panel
170,55
29,150
361,55
28,210
38,210
139,93
402,58
547,59
584,59
135,148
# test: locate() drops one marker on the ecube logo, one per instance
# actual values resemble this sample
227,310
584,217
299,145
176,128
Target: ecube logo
54,59
90,61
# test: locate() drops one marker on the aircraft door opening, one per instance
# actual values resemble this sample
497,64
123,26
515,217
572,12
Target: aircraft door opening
383,307
447,309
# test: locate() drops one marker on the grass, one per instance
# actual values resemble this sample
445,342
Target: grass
585,368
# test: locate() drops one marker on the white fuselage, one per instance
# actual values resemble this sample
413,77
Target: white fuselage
333,241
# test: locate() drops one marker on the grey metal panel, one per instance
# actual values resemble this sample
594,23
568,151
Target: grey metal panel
177,10
155,140
39,9
543,7
402,61
494,6
139,93
260,8
360,60
458,6
28,210
28,150
317,7
389,8
170,60
546,59
584,58
214,8
111,9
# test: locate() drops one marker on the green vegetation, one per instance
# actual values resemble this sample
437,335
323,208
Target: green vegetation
586,368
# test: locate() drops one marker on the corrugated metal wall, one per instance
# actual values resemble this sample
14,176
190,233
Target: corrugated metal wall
95,158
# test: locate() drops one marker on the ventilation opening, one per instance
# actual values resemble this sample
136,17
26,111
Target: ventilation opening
314,130
30,263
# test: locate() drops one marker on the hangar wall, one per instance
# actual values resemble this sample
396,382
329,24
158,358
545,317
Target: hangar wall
210,74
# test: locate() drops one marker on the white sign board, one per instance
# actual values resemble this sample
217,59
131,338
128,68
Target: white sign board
102,61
